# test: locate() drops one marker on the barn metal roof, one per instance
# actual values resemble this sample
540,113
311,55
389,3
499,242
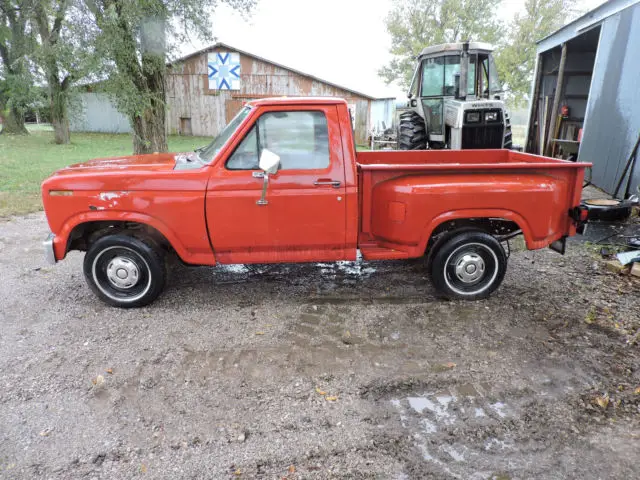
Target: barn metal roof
583,23
262,59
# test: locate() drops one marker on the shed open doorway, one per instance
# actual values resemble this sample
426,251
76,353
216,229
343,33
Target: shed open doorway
561,94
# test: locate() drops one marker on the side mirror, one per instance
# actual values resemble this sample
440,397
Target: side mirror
269,162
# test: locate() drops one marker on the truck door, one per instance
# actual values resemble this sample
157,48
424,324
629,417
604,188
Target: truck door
304,216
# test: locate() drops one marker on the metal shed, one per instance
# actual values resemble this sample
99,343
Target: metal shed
207,88
585,95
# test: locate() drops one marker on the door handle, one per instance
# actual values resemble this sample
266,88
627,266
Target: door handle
322,181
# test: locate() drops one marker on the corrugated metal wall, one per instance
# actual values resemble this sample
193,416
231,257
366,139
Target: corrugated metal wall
612,122
189,97
96,113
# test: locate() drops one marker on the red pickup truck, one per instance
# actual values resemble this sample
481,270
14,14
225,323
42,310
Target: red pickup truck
283,183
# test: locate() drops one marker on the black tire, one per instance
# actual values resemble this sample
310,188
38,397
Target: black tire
125,271
468,266
508,135
412,132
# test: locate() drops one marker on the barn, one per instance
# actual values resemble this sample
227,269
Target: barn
585,93
207,88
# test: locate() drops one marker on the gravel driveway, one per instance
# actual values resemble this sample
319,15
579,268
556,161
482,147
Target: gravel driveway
318,371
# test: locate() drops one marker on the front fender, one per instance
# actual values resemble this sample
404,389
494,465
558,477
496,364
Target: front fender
61,240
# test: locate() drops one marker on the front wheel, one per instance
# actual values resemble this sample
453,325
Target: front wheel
468,266
124,271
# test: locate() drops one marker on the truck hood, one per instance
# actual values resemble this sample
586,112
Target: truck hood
155,171
149,162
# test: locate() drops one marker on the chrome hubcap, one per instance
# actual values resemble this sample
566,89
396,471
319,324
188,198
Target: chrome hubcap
123,272
470,267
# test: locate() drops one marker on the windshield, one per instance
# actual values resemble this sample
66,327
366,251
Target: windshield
210,151
438,75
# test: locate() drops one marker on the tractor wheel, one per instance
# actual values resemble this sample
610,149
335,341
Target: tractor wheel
508,137
412,132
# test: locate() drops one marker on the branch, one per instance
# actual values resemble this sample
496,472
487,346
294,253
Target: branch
59,18
4,53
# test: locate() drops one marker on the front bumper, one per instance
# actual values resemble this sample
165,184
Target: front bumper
49,254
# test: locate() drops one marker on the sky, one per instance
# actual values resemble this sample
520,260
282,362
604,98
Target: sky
342,41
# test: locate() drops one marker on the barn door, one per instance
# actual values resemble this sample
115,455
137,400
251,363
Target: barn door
232,106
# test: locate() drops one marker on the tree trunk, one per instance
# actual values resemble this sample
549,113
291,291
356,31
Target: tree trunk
13,122
149,133
59,112
61,131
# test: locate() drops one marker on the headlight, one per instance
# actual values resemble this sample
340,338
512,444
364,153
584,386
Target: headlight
472,117
491,117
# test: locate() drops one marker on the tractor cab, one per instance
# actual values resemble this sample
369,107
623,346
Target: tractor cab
455,100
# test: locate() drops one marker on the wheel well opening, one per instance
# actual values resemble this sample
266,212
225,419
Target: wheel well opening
84,234
500,228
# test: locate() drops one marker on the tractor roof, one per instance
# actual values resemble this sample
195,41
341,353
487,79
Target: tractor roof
456,47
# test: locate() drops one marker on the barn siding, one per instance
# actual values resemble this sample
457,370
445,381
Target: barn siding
188,95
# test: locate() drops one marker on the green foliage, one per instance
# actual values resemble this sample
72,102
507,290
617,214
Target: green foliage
416,24
17,92
137,37
516,58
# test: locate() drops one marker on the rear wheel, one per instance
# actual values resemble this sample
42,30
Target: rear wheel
412,132
468,266
124,271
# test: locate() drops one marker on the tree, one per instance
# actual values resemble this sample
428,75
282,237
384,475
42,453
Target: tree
16,43
134,37
416,24
66,54
516,59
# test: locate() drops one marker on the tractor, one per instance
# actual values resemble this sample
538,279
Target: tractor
455,101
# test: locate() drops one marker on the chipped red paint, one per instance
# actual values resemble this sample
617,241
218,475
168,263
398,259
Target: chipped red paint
388,203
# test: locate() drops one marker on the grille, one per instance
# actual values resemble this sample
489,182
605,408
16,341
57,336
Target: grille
484,134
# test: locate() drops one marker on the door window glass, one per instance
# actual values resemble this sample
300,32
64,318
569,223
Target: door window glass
300,139
432,76
451,68
246,156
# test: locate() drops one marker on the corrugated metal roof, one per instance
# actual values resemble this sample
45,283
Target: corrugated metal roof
583,23
262,59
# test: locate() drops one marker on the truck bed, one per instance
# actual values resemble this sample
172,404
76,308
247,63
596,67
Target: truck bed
406,195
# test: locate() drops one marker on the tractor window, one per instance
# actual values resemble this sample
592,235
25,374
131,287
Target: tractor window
451,68
438,76
494,81
432,77
471,75
483,78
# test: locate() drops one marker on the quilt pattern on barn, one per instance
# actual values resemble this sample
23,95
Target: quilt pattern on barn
224,71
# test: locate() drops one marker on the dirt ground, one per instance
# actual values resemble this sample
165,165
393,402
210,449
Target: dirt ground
318,371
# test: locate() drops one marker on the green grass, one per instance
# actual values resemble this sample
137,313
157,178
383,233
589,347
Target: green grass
25,161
